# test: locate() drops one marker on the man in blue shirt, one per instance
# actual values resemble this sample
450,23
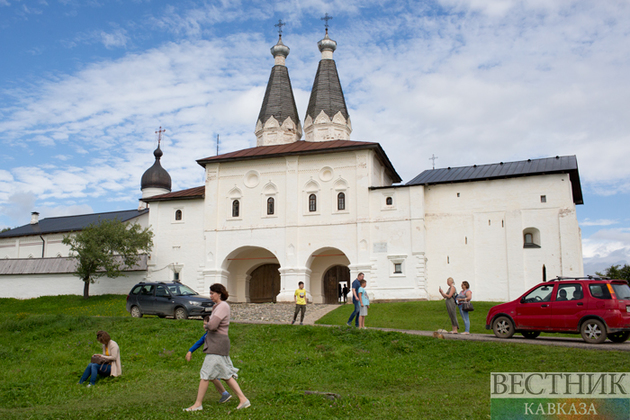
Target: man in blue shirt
355,299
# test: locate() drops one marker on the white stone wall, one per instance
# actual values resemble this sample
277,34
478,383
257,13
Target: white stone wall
32,286
478,235
178,245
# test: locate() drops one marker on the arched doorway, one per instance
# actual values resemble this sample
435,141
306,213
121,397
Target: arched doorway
335,276
264,283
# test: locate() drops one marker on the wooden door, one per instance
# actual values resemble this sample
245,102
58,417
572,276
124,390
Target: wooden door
264,284
333,277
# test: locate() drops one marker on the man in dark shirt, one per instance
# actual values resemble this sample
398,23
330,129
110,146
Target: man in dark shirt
355,300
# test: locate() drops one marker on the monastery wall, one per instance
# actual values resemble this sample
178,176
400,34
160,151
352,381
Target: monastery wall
476,230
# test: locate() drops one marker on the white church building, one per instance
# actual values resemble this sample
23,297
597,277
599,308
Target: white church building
324,208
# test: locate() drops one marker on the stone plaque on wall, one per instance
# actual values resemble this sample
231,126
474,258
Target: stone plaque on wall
380,247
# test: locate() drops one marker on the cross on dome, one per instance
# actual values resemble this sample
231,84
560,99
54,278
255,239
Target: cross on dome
326,18
159,133
279,25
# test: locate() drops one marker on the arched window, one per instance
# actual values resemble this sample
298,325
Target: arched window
312,202
389,201
341,201
531,238
235,208
270,205
178,215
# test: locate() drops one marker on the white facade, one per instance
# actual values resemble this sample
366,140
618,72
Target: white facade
406,239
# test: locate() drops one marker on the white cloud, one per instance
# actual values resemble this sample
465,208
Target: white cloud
599,222
117,38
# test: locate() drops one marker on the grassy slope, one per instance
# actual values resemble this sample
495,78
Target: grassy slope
378,375
425,315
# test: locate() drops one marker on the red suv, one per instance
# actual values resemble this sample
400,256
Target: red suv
596,308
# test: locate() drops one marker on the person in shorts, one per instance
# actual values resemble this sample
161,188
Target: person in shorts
365,304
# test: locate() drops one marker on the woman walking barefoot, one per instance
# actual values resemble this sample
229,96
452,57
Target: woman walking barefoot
218,364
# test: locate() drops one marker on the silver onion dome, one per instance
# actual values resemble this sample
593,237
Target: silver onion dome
327,44
280,49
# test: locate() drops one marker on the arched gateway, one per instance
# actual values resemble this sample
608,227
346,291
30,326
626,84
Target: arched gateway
335,278
253,275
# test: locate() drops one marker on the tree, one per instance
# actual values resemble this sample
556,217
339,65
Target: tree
614,272
107,248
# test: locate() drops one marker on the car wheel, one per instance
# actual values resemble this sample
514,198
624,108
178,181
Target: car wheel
135,312
619,337
530,334
503,327
593,331
180,313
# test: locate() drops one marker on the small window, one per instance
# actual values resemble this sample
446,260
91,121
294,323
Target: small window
568,292
176,275
312,202
397,268
531,238
270,205
543,198
235,208
600,291
161,291
389,201
178,215
458,194
341,201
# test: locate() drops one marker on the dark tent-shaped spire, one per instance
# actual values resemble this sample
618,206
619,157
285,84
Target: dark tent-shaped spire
278,105
327,104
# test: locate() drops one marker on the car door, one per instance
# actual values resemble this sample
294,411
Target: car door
567,307
534,309
162,303
145,299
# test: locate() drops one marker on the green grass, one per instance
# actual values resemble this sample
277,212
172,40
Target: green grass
379,375
417,315
102,305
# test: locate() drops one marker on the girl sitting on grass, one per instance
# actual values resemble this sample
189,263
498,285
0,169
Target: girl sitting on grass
109,361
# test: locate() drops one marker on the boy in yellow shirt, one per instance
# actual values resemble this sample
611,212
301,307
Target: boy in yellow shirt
300,303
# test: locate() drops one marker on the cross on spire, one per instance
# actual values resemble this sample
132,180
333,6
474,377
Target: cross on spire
279,25
159,133
326,18
433,158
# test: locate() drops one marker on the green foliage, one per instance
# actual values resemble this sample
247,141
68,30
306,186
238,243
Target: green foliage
5,229
614,272
379,375
107,248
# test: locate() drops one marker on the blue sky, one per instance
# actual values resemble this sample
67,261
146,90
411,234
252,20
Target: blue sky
85,84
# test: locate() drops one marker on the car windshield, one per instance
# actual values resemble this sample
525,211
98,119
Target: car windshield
181,290
622,291
539,294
